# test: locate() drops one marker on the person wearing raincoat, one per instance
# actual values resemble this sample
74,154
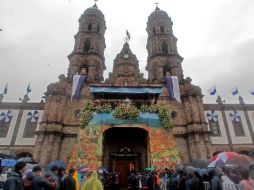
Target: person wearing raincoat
93,183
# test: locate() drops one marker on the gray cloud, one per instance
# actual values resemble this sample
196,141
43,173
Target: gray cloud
225,70
215,38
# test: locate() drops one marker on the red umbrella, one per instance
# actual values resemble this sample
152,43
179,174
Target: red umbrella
240,160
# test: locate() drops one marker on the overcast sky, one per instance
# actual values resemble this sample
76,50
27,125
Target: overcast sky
215,38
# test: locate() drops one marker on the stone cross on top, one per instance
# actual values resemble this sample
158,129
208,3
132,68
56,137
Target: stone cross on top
95,1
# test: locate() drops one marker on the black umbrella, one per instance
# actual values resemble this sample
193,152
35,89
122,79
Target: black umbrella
202,163
7,154
29,160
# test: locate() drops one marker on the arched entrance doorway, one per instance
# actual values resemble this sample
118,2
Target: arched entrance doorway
125,149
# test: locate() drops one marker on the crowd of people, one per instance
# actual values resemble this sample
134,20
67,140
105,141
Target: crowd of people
185,178
52,179
191,179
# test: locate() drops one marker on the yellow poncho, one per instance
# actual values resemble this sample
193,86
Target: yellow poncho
93,183
75,176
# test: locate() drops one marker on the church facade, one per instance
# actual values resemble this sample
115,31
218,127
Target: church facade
198,129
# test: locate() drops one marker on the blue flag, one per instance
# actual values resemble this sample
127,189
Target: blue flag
212,91
28,89
251,91
234,91
77,85
173,88
5,89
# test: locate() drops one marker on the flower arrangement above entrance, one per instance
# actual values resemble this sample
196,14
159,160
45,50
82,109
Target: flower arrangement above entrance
154,115
126,112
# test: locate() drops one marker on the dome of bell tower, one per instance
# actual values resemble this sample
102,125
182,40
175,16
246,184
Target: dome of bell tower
92,20
95,11
156,14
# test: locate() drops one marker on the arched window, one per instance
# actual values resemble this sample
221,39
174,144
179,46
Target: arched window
237,123
87,45
89,27
162,29
164,48
213,120
5,122
154,31
98,28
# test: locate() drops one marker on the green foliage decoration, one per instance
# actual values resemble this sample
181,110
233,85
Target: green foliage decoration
123,111
105,108
165,117
144,108
126,112
154,108
86,115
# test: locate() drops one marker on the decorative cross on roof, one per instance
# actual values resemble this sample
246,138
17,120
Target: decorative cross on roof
95,1
156,3
128,37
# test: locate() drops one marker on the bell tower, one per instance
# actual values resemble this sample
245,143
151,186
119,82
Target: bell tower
89,46
162,48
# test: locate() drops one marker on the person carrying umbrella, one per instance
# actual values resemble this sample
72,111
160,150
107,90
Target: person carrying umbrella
3,178
52,177
38,182
246,183
69,182
215,183
14,181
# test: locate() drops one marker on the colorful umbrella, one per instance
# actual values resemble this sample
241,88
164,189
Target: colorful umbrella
224,156
240,160
216,163
220,159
